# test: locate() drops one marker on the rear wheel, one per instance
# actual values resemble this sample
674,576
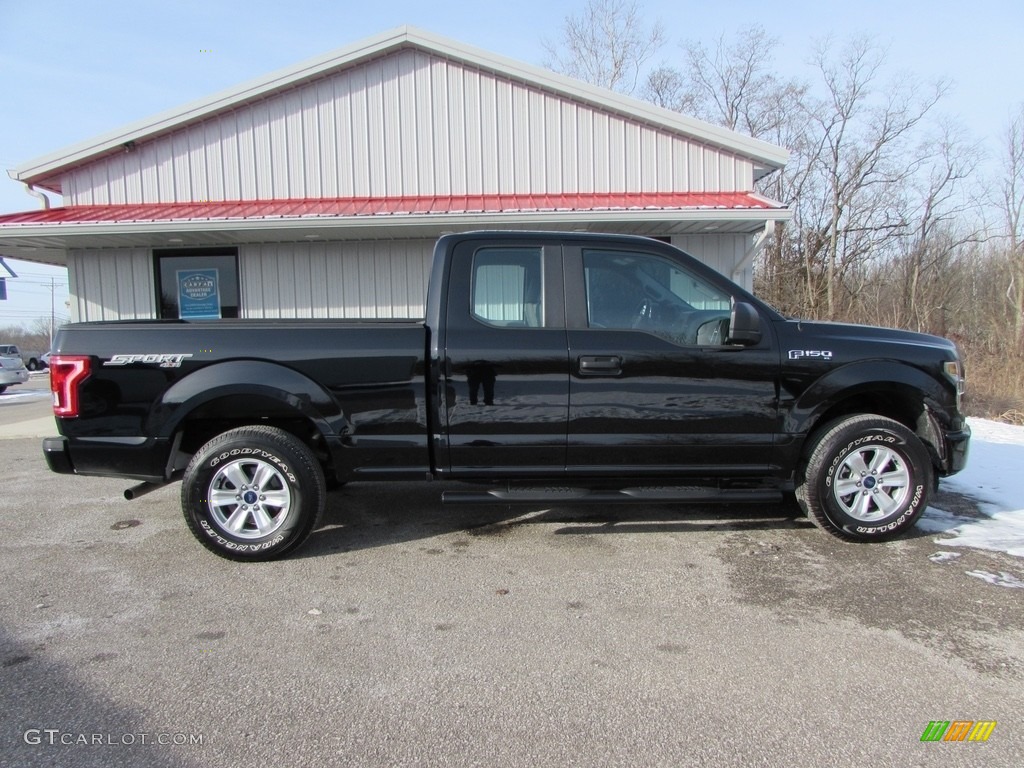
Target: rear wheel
867,478
253,493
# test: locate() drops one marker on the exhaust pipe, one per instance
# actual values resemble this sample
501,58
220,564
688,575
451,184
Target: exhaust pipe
141,490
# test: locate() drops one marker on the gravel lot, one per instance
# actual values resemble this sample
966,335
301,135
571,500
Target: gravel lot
409,634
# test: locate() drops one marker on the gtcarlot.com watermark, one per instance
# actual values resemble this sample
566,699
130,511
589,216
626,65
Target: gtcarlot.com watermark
58,737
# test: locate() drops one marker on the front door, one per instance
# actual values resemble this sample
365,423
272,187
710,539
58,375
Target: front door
655,386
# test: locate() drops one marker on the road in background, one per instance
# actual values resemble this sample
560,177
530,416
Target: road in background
25,409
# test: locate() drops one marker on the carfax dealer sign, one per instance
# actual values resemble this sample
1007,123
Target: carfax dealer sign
198,294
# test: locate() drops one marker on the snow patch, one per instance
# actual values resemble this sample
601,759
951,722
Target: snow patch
1002,579
994,477
943,557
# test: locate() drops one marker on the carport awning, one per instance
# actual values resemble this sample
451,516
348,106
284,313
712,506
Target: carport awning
252,210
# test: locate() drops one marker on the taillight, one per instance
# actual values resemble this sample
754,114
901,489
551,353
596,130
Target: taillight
67,372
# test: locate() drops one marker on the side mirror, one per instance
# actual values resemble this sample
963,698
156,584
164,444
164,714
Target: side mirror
744,325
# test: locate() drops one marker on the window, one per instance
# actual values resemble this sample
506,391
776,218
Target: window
647,292
197,284
508,288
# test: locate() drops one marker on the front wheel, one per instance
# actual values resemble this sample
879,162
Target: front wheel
867,478
253,493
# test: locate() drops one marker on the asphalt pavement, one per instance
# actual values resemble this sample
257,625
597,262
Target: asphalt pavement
406,633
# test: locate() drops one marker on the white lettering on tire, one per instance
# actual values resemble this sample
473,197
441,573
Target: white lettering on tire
908,512
259,453
235,546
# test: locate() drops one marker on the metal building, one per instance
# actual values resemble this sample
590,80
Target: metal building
317,191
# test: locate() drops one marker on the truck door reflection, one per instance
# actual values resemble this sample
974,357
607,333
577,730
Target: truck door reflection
481,375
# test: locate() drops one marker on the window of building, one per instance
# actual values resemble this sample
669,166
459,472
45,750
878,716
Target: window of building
197,283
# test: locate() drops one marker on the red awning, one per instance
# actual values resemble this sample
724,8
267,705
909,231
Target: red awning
236,210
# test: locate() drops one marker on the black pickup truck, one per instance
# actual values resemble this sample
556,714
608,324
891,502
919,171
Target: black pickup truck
551,368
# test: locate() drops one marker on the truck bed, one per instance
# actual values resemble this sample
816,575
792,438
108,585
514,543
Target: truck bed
360,381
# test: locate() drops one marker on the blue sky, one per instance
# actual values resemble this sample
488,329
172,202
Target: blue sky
72,70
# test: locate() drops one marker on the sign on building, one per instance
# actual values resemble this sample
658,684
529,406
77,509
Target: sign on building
198,294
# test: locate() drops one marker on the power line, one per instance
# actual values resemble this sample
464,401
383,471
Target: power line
19,282
38,274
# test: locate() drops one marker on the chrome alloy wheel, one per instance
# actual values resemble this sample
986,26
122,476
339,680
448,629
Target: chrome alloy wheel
872,483
249,498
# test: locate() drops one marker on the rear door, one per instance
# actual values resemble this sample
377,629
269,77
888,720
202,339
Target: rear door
506,374
655,387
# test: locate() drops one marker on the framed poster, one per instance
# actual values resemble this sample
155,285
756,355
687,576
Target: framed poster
198,294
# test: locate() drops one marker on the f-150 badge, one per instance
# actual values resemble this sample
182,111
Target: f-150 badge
810,354
165,360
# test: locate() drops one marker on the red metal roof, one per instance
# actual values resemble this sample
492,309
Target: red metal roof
386,206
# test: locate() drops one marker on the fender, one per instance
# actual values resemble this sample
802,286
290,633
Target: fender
859,378
239,378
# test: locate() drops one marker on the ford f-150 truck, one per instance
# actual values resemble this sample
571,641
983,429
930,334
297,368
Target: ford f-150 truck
550,368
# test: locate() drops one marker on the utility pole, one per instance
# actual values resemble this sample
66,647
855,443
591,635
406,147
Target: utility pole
53,287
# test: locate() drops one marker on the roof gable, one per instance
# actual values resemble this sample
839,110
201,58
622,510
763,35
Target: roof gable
55,170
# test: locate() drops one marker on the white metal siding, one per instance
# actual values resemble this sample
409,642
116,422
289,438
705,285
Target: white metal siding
410,123
113,284
374,279
721,252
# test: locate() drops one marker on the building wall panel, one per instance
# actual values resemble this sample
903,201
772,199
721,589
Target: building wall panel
410,123
115,284
721,252
371,279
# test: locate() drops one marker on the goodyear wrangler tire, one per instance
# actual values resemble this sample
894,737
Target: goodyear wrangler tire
867,478
253,493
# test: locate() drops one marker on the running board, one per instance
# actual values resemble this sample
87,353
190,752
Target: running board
659,495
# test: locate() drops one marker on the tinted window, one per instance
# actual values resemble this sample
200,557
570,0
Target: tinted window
646,292
508,287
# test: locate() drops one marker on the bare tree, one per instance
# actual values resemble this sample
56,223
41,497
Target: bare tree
667,88
938,212
1011,206
607,44
733,84
860,161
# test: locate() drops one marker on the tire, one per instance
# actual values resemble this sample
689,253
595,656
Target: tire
867,478
3,388
253,493
32,365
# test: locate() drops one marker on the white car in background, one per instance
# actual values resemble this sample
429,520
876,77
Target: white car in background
35,361
12,369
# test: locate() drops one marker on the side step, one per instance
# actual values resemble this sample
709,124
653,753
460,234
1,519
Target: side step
657,495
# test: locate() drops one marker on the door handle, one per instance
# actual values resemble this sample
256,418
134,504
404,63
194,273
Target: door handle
600,365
